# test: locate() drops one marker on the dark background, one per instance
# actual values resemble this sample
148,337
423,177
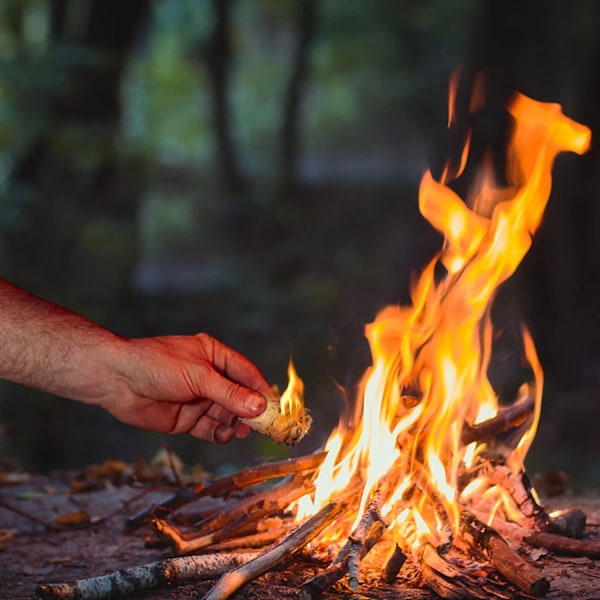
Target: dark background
249,168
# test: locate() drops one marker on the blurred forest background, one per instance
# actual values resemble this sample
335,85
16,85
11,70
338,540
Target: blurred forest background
249,168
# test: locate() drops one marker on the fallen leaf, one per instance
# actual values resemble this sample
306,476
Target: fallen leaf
59,560
40,570
14,477
537,553
31,495
79,518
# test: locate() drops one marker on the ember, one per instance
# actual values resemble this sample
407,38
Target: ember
418,474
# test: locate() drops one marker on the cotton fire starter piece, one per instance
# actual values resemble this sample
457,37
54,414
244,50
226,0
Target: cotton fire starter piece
281,427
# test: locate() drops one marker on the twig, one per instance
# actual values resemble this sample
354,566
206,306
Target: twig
152,575
239,520
32,518
293,542
437,503
370,517
366,534
256,540
265,502
564,545
228,483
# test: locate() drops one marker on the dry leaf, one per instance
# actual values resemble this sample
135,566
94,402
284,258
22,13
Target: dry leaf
79,518
14,477
33,570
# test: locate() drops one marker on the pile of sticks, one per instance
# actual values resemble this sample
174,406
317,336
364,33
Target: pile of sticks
254,530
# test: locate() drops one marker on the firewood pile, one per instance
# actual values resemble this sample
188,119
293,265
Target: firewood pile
254,531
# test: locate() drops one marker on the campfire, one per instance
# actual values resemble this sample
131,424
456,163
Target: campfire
429,475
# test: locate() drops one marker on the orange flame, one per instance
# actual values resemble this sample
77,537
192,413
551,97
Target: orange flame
439,348
292,399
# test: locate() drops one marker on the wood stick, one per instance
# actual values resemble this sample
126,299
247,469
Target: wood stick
365,535
265,502
314,587
256,540
564,545
292,543
149,576
445,579
242,521
520,488
394,564
359,535
507,418
570,522
227,484
358,550
503,558
437,503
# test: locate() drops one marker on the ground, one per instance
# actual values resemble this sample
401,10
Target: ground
33,555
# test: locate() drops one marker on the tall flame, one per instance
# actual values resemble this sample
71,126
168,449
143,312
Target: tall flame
429,375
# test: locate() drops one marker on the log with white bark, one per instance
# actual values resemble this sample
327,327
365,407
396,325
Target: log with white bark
158,574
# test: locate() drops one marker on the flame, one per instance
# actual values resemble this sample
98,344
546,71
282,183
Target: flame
429,373
292,399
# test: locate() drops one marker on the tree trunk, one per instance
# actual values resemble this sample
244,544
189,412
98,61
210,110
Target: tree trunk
218,57
290,137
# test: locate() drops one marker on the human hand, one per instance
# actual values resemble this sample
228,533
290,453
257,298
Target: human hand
186,384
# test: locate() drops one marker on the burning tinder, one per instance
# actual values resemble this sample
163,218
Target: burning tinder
285,420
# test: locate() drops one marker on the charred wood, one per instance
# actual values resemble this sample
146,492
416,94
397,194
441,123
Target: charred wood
570,523
446,580
503,558
394,564
506,419
518,485
313,588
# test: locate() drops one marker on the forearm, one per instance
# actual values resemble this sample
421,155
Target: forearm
50,348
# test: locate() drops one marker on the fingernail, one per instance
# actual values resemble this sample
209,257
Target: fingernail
256,404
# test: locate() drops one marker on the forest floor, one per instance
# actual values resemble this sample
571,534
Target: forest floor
90,541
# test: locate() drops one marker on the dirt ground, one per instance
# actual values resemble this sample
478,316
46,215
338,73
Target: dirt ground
32,555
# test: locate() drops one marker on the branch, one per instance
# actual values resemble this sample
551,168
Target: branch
152,575
240,519
292,543
563,545
227,484
507,418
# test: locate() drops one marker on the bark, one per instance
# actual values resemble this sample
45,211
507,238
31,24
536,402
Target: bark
291,544
506,561
152,575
